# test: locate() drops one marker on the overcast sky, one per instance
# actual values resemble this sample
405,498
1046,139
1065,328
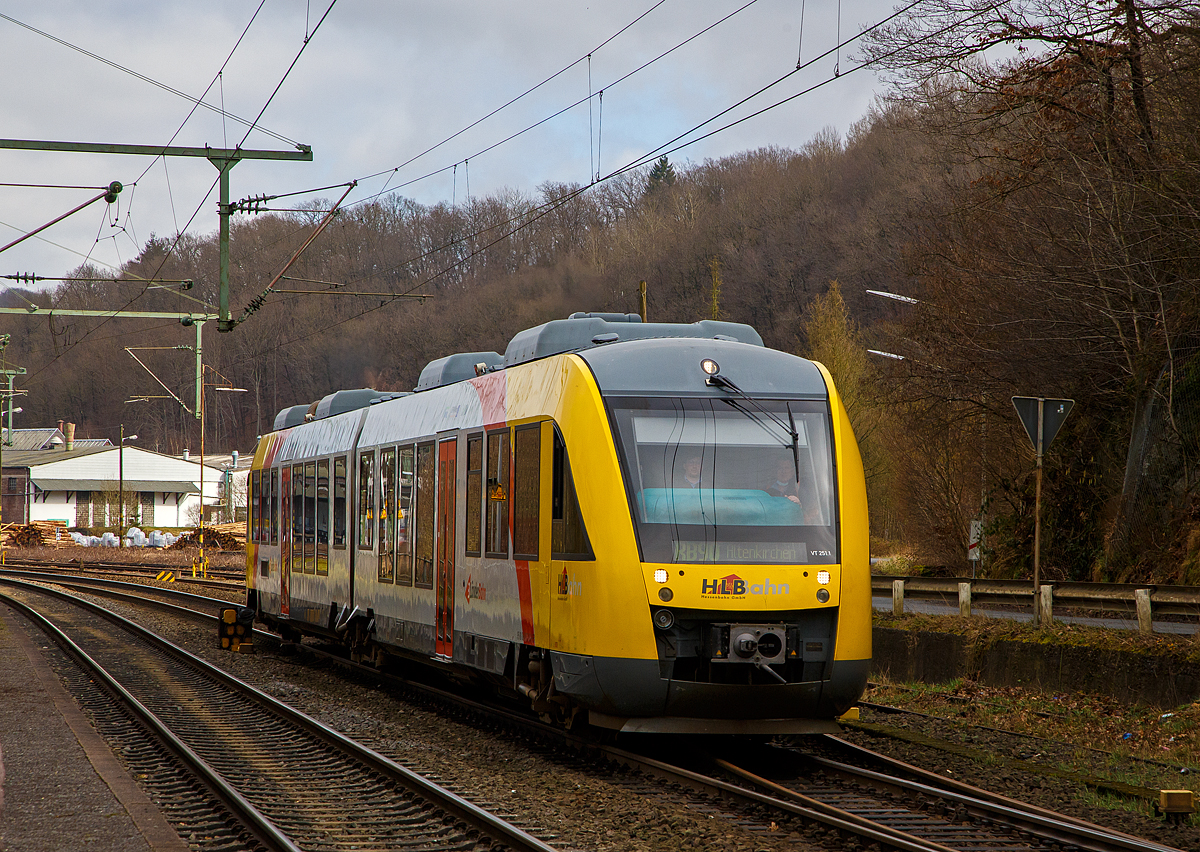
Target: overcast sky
377,84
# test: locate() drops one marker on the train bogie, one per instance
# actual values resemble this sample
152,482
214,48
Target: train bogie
662,526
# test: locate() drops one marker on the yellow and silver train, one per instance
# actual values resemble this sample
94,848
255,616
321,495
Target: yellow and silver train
652,527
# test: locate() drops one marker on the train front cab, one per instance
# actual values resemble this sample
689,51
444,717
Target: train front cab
725,608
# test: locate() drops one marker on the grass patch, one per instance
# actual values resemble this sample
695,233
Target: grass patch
1114,730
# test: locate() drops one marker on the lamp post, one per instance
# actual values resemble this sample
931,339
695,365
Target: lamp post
121,485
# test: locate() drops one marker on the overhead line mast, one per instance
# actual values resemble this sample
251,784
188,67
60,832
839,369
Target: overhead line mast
224,159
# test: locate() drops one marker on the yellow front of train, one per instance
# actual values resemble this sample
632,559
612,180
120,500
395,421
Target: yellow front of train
723,585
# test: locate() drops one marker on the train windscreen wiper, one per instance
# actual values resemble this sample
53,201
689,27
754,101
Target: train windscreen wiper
726,383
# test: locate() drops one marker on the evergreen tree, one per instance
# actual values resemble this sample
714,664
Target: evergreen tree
662,174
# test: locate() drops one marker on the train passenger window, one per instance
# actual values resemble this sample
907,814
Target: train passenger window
366,499
297,520
527,489
272,507
339,502
423,568
474,533
497,494
263,506
310,518
323,516
387,514
568,537
256,505
404,575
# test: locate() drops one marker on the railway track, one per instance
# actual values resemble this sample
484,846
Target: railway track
936,812
234,768
862,800
167,596
853,796
217,577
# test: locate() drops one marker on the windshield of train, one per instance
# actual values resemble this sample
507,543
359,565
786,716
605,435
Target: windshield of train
715,480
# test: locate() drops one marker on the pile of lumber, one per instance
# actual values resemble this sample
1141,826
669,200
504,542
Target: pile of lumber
37,534
217,537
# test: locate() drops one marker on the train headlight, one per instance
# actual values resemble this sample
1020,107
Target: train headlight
823,595
663,619
823,578
660,575
710,367
665,594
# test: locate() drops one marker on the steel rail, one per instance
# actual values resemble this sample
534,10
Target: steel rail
902,768
821,814
1048,825
100,583
810,810
455,805
1023,817
258,825
233,579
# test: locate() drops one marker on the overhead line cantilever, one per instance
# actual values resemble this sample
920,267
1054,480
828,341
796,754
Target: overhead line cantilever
223,158
197,320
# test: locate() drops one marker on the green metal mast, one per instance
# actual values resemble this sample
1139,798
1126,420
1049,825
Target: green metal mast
223,158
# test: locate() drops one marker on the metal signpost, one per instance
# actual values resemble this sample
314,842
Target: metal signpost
974,538
1042,418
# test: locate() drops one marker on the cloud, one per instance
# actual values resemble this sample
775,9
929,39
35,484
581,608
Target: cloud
378,83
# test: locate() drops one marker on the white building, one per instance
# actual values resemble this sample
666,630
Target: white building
80,486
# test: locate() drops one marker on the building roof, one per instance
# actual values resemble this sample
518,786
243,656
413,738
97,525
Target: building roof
48,439
28,458
98,469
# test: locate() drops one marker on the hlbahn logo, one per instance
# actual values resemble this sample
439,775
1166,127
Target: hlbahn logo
474,591
731,585
568,586
735,586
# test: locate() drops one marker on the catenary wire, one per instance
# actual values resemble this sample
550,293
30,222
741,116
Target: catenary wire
252,126
509,103
465,162
549,207
547,118
196,103
138,75
564,199
645,158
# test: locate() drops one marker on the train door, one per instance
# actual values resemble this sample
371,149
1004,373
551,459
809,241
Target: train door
447,511
285,541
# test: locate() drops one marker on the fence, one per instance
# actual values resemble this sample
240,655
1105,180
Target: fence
1145,601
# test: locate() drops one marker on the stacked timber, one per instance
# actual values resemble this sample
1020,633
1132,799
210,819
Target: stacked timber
37,534
217,537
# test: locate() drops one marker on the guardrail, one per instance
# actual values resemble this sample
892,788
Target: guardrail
1145,600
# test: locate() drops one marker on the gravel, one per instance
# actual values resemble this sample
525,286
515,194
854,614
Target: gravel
569,803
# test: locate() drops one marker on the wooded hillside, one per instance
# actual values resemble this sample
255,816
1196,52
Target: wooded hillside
1041,209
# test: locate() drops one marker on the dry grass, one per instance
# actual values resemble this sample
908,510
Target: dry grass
1084,720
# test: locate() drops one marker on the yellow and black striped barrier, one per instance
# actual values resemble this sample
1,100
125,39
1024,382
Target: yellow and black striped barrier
166,576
